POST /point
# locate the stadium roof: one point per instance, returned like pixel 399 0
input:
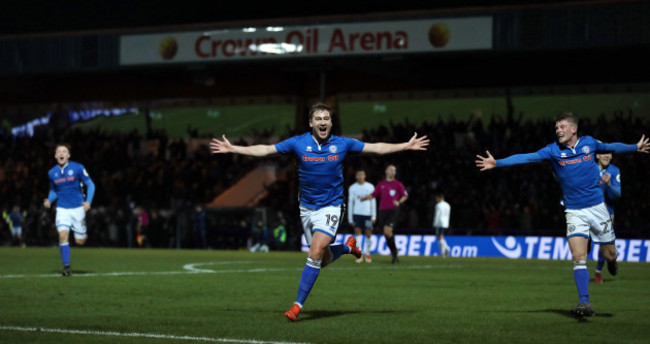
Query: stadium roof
pixel 42 16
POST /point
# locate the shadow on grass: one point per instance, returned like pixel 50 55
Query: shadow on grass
pixel 567 313
pixel 74 272
pixel 563 312
pixel 315 315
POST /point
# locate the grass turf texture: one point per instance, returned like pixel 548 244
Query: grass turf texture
pixel 242 120
pixel 234 121
pixel 357 116
pixel 244 296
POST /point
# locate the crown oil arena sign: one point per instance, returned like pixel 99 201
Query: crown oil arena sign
pixel 251 43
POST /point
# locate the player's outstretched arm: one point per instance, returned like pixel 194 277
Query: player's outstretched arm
pixel 415 143
pixel 643 145
pixel 224 146
pixel 485 163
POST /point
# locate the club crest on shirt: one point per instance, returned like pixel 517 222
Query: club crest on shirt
pixel 333 149
pixel 308 149
pixel 392 193
pixel 586 149
pixel 563 155
pixel 70 172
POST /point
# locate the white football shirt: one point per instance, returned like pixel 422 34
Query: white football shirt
pixel 443 212
pixel 357 207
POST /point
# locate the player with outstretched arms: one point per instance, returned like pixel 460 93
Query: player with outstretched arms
pixel 66 188
pixel 320 157
pixel 573 160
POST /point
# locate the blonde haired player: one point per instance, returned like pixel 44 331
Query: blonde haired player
pixel 67 179
pixel 574 162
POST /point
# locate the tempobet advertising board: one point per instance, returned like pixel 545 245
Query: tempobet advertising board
pixel 513 247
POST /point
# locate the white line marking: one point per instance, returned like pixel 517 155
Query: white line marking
pixel 142 335
pixel 193 267
pixel 252 270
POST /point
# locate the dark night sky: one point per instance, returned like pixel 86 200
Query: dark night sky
pixel 33 16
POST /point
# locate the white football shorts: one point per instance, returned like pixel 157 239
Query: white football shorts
pixel 17 231
pixel 73 219
pixel 594 220
pixel 324 220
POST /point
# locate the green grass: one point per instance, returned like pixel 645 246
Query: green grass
pixel 357 116
pixel 421 300
pixel 242 120
pixel 122 124
pixel 234 121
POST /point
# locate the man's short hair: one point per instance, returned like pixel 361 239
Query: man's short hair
pixel 63 144
pixel 318 107
pixel 569 117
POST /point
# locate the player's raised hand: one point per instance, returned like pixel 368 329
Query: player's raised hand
pixel 643 145
pixel 486 163
pixel 605 179
pixel 417 143
pixel 221 146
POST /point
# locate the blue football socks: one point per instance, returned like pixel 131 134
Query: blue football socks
pixel 581 276
pixel 339 250
pixel 601 261
pixel 65 253
pixel 307 280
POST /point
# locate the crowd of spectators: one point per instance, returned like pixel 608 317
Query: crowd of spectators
pixel 516 201
pixel 153 172
pixel 524 200
pixel 168 180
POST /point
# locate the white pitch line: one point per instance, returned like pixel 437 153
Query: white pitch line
pixel 252 270
pixel 193 267
pixel 141 335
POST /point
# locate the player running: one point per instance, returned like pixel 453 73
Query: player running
pixel 610 182
pixel 573 161
pixel 320 158
pixel 66 188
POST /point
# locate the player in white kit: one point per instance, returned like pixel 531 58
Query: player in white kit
pixel 362 214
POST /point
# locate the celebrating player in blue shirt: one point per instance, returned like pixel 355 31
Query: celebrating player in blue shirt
pixel 66 188
pixel 320 158
pixel 610 183
pixel 573 161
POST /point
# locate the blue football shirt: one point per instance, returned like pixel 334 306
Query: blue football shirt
pixel 65 185
pixel 320 168
pixel 612 191
pixel 576 168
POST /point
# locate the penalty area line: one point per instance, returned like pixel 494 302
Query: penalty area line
pixel 140 335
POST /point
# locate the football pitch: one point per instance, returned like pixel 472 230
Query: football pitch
pixel 193 296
